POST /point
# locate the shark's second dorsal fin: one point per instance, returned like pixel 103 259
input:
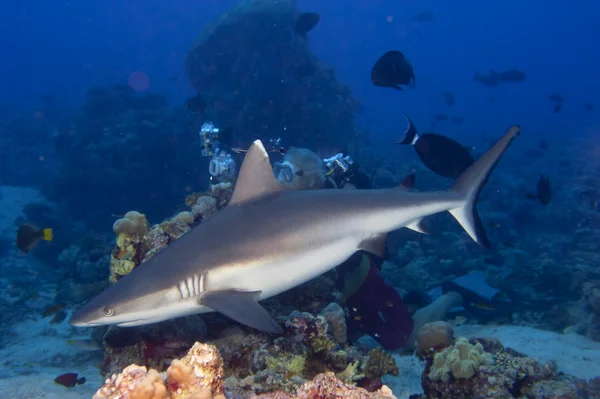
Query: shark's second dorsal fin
pixel 256 178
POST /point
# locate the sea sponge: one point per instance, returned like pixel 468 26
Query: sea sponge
pixel 435 311
pixel 460 361
pixel 204 208
pixel 380 363
pixel 200 371
pixel 132 223
pixel 185 217
pixel 434 336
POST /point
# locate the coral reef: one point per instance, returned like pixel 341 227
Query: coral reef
pixel 273 88
pixel 483 368
pixel 199 375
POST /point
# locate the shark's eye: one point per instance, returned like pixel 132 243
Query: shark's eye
pixel 108 311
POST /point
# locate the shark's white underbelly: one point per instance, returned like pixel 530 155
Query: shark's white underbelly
pixel 282 273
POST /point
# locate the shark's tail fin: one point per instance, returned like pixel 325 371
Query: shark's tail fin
pixel 471 182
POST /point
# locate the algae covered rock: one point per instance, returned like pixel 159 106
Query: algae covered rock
pixel 257 74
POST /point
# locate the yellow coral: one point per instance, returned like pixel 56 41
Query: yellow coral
pixel 286 364
pixel 350 373
pixel 461 361
pixel 124 257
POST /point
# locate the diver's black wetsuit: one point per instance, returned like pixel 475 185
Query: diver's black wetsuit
pixel 376 308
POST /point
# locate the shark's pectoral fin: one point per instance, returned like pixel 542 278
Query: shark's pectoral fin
pixel 256 178
pixel 374 245
pixel 242 307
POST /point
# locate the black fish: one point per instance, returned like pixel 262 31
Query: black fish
pixel 491 80
pixel 306 22
pixel 449 96
pixel 195 104
pixel 391 70
pixel 458 119
pixel 557 98
pixel 557 108
pixel 441 117
pixel 512 75
pixel 69 380
pixel 589 106
pixel 440 154
pixel 543 144
pixel 29 235
pixel 424 16
pixel 544 193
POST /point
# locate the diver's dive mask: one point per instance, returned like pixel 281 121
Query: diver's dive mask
pixel 284 172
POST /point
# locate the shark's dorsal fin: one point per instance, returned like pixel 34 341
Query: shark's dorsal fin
pixel 256 178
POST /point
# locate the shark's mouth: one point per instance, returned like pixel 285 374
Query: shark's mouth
pixel 132 323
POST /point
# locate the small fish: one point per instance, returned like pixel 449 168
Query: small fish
pixel 557 108
pixel 51 310
pixel 557 98
pixel 458 119
pixel 589 106
pixel 440 154
pixel 544 193
pixel 29 235
pixel 491 80
pixel 512 75
pixel 121 254
pixel 117 215
pixel 84 344
pixel 543 144
pixel 441 117
pixel 449 96
pixel 306 22
pixel 424 16
pixel 389 304
pixel 195 104
pixel 69 380
pixel 483 306
pixel 59 317
pixel 392 70
pixel 357 317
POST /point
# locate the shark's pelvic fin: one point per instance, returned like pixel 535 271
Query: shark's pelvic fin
pixel 470 184
pixel 374 245
pixel 242 307
pixel 419 227
pixel 256 178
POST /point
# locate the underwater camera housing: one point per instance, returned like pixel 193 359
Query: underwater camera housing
pixel 209 134
pixel 222 167
pixel 339 164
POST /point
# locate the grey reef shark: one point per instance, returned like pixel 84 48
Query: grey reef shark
pixel 270 239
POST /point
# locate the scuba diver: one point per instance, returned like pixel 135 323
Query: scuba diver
pixel 375 307
pixel 222 166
